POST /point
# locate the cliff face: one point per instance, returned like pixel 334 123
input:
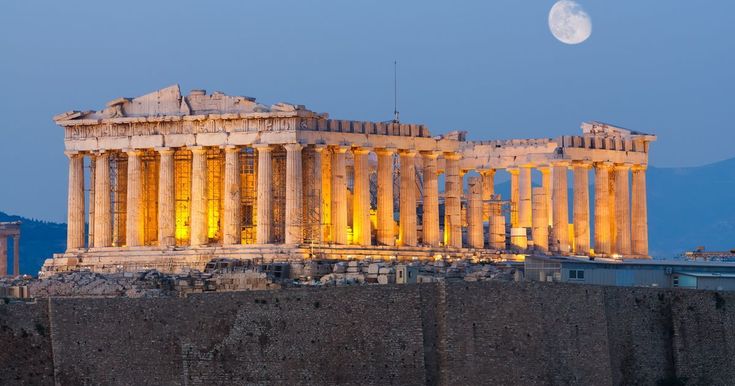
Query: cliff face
pixel 461 333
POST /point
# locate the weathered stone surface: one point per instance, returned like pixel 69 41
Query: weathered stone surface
pixel 453 333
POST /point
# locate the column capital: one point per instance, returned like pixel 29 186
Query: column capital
pixel 486 172
pixel 262 147
pixel 385 151
pixel 513 170
pixel 133 152
pixel 294 146
pixel 560 163
pixel 603 164
pixel 339 149
pixel 582 164
pixel 231 149
pixel 320 147
pixel 73 153
pixel 623 166
pixel 198 149
pixel 407 153
pixel 454 156
pixel 360 150
pixel 544 169
pixel 639 167
pixel 164 150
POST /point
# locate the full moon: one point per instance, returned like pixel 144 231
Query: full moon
pixel 569 23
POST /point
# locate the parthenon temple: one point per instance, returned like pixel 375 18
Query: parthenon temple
pixel 171 181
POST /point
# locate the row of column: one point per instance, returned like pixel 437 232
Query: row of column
pixel 621 223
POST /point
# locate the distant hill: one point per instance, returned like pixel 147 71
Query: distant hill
pixel 38 241
pixel 687 207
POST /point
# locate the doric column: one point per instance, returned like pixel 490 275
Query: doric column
pixel 339 196
pixel 602 208
pixel 622 210
pixel 475 237
pixel 325 155
pixel 198 219
pixel 3 256
pixel 166 196
pixel 407 230
pixel 75 206
pixel 232 201
pixel 540 226
pixel 134 220
pixel 488 189
pixel 611 187
pixel 430 222
pixel 561 207
pixel 514 197
pixel 16 255
pixel 524 197
pixel 386 234
pixel 452 203
pixel 294 194
pixel 102 215
pixel 312 201
pixel 546 184
pixel 265 196
pixel 361 199
pixel 90 209
pixel 581 208
pixel 639 212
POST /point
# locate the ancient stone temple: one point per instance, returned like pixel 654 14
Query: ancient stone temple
pixel 176 180
pixel 9 230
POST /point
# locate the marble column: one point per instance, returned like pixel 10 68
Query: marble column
pixel 326 194
pixel 75 206
pixel 622 210
pixel 430 222
pixel 134 221
pixel 524 197
pixel 339 196
pixel 102 209
pixel 294 194
pixel 3 256
pixel 265 196
pixel 407 230
pixel 452 203
pixel 546 184
pixel 514 197
pixel 475 237
pixel 602 208
pixel 559 199
pixel 16 255
pixel 386 231
pixel 232 205
pixel 313 195
pixel 639 212
pixel 90 209
pixel 166 199
pixel 540 222
pixel 611 187
pixel 488 190
pixel 199 212
pixel 581 214
pixel 361 199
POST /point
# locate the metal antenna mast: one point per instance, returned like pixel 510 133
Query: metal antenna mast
pixel 395 92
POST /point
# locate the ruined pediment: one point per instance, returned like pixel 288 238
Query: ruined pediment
pixel 169 102
pixel 607 130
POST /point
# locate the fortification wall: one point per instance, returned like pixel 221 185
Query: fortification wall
pixel 461 333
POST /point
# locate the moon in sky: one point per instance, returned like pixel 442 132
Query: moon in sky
pixel 569 23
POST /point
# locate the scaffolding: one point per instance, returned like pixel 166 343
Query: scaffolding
pixel 150 163
pixel 182 194
pixel 119 196
pixel 215 186
pixel 248 195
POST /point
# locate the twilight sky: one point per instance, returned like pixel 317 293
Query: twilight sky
pixel 489 67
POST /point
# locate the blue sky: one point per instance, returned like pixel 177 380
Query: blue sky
pixel 489 67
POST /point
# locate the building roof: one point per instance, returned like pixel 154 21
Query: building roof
pixel 636 262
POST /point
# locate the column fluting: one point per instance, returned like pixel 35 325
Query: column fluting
pixel 75 206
